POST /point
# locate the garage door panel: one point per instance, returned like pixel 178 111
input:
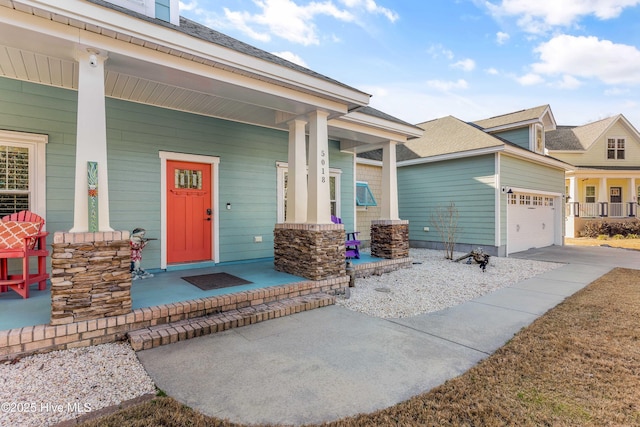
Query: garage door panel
pixel 530 222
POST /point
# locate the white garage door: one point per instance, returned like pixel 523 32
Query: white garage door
pixel 530 221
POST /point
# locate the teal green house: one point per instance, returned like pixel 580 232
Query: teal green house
pixel 203 141
pixel 507 192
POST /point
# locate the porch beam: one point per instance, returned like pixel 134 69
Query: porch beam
pixel 319 207
pixel 297 173
pixel 91 139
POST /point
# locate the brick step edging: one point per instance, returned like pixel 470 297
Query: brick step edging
pixel 168 333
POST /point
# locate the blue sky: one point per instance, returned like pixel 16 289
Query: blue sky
pixel 472 59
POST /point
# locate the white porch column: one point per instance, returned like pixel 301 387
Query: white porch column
pixel 297 181
pixel 91 139
pixel 632 190
pixel 604 194
pixel 389 203
pixel 319 208
pixel 573 193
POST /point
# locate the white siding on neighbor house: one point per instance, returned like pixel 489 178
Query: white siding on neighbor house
pixel 469 183
pixel 596 155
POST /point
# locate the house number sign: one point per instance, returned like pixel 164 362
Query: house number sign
pixel 323 162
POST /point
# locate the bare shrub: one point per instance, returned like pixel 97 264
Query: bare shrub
pixel 445 219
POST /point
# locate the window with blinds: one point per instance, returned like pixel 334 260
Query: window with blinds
pixel 14 179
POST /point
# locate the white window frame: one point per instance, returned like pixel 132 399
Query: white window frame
pixel 616 149
pixel 595 194
pixel 538 139
pixel 36 144
pixel 282 168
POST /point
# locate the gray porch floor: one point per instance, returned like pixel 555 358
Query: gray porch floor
pixel 164 288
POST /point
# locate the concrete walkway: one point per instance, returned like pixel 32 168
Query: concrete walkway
pixel 330 363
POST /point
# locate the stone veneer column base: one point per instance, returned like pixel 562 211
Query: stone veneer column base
pixel 90 276
pixel 390 239
pixel 312 251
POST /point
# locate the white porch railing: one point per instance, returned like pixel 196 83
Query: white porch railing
pixel 617 210
pixel 602 209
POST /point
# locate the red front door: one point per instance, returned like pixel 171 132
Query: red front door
pixel 189 211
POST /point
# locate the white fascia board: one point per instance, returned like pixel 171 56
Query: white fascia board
pixel 452 156
pixel 516 125
pixel 409 130
pixel 370 128
pixel 369 162
pixel 128 25
pixel 537 158
pixel 529 190
pixel 567 151
pixel 37 24
pixel 605 173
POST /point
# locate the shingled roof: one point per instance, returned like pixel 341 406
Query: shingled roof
pixel 512 118
pixel 441 136
pixel 577 138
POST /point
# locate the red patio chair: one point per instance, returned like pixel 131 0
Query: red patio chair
pixel 21 236
pixel 352 244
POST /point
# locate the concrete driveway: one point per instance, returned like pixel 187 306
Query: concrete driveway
pixel 329 363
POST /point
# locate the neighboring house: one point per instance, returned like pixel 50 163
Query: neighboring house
pixel 507 192
pixel 195 134
pixel 605 180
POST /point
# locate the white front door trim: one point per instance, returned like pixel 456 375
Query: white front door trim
pixel 196 158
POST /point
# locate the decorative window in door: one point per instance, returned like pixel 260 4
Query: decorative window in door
pixel 188 179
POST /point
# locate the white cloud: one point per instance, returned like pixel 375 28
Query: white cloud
pixel 530 79
pixel 492 71
pixel 372 7
pixel 446 86
pixel 437 50
pixel 568 82
pixel 291 57
pixel 589 57
pixel 616 91
pixel 546 14
pixel 294 22
pixel 465 64
pixel 502 38
pixel 192 5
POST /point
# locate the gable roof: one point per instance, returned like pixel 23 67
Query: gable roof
pixel 580 138
pixel 518 118
pixel 449 137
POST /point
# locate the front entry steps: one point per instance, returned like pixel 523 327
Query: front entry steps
pixel 155 336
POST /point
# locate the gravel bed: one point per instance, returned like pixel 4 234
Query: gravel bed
pixel 434 283
pixel 45 389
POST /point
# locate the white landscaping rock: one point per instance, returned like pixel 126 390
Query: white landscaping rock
pixel 45 389
pixel 434 283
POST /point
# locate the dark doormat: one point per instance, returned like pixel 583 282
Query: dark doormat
pixel 215 281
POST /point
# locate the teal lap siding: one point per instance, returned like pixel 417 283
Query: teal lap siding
pixel 469 183
pixel 135 135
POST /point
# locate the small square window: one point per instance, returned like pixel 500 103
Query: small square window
pixel 364 196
